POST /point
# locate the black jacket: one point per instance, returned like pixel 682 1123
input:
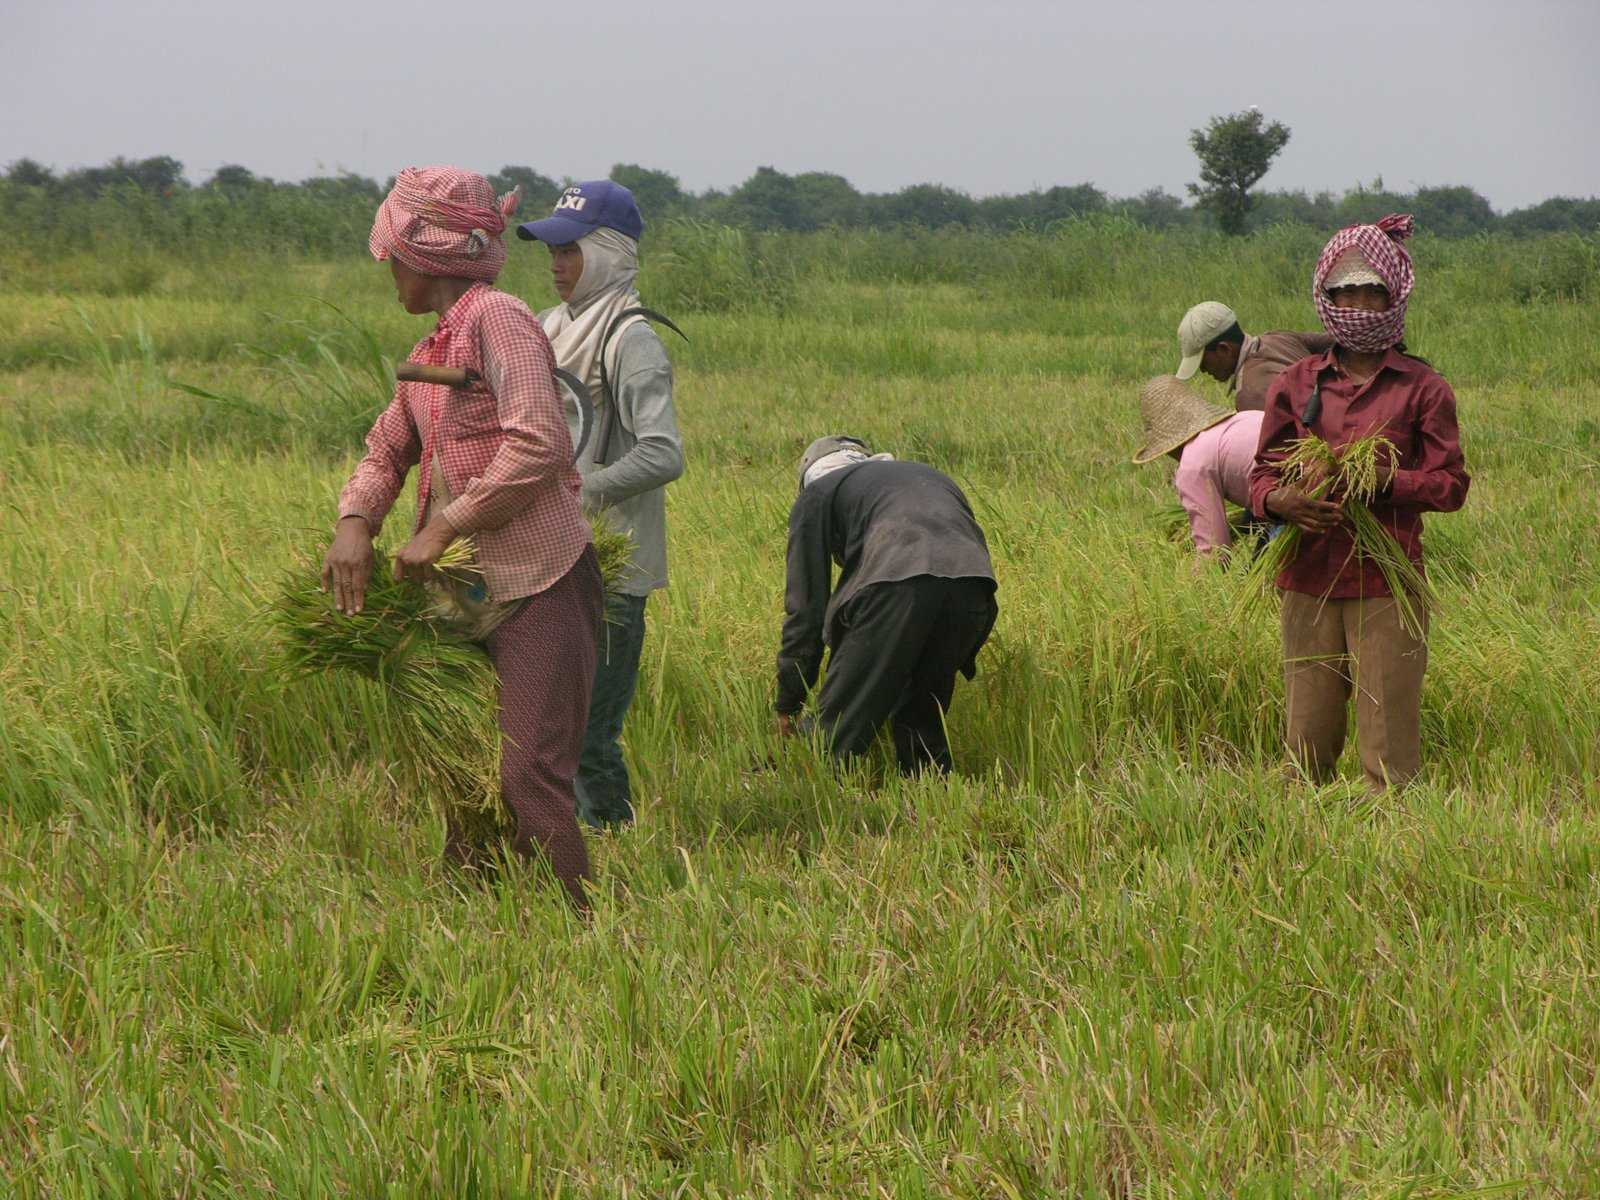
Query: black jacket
pixel 880 522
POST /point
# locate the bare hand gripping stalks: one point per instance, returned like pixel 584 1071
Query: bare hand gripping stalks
pixel 439 687
pixel 1352 478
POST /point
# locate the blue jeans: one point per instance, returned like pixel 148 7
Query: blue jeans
pixel 604 799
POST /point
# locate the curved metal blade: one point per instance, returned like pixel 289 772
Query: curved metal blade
pixel 580 393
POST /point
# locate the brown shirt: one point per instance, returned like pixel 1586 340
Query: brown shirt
pixel 1263 358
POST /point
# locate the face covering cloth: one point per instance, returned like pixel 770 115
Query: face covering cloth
pixel 605 289
pixel 1379 245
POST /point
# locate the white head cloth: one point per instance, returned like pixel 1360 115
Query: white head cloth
pixel 838 460
pixel 605 288
pixel 1351 269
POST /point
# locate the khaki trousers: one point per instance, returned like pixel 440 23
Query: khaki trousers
pixel 1332 648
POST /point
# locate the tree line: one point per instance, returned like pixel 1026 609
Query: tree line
pixel 34 198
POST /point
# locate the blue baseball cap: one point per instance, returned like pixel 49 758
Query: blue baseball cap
pixel 582 209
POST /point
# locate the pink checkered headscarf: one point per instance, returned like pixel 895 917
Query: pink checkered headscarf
pixel 1368 332
pixel 443 221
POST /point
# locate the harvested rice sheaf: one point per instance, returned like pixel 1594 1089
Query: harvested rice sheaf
pixel 614 551
pixel 1352 476
pixel 439 682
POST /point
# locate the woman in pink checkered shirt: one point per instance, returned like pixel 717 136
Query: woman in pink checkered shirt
pixel 496 463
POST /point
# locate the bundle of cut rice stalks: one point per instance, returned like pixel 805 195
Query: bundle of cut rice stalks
pixel 411 640
pixel 1352 476
pixel 1173 525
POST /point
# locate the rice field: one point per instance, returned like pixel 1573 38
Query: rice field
pixel 1116 956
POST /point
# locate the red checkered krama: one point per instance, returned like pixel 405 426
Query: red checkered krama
pixel 443 221
pixel 502 442
pixel 1358 329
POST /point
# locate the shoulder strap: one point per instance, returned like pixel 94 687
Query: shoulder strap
pixel 609 419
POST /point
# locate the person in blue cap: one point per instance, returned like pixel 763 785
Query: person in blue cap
pixel 601 333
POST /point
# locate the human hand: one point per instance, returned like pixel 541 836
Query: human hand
pixel 786 725
pixel 1296 507
pixel 1314 478
pixel 347 567
pixel 416 560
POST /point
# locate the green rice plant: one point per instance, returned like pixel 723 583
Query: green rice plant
pixel 613 550
pixel 399 638
pixel 1113 955
pixel 416 643
pixel 700 267
pixel 439 684
pixel 327 385
pixel 1353 475
pixel 1172 520
pixel 1172 523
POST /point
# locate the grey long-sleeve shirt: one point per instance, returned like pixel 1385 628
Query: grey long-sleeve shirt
pixel 880 522
pixel 645 455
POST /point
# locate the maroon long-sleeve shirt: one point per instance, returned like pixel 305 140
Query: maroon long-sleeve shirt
pixel 1407 402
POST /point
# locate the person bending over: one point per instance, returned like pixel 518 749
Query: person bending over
pixel 1215 450
pixel 913 604
pixel 1210 340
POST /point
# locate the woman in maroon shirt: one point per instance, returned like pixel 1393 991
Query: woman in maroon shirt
pixel 1342 631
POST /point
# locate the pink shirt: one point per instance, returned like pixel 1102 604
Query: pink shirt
pixel 502 444
pixel 1215 467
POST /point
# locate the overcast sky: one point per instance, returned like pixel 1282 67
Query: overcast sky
pixel 991 97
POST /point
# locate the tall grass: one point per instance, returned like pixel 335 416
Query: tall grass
pixel 1117 955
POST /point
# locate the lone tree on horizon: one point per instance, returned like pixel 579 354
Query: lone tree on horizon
pixel 1235 151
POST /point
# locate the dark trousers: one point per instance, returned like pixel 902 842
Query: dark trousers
pixel 897 652
pixel 604 797
pixel 544 655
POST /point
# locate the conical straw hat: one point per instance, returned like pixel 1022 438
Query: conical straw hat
pixel 1172 413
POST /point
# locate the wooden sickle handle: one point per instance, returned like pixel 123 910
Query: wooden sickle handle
pixel 410 372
